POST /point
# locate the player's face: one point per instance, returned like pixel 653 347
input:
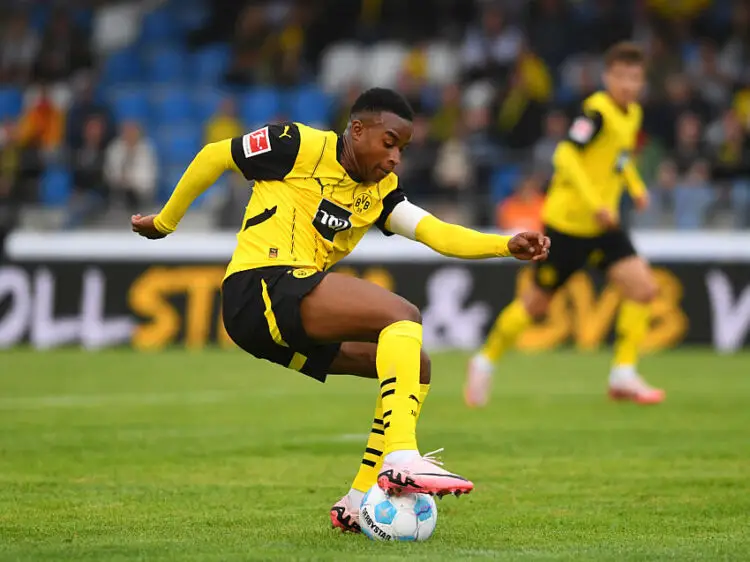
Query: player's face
pixel 624 82
pixel 379 141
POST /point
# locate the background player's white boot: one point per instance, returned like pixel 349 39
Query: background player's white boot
pixel 626 384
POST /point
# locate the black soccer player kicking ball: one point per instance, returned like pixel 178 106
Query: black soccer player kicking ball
pixel 316 194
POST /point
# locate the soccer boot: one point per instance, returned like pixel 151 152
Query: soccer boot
pixel 344 516
pixel 636 390
pixel 478 382
pixel 422 475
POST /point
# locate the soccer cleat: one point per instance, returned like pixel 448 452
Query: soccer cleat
pixel 478 382
pixel 636 390
pixel 345 517
pixel 422 475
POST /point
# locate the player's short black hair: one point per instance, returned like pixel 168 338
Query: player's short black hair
pixel 377 100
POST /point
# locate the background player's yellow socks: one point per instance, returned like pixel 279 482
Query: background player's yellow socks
pixel 372 460
pixel 510 324
pixel 398 358
pixel 632 327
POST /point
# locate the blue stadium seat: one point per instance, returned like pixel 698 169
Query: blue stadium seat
pixel 208 65
pixel 11 102
pixel 503 182
pixel 206 101
pixel 178 145
pixel 122 67
pixel 166 65
pixel 310 105
pixel 55 186
pixel 259 106
pixel 171 105
pixel 158 27
pixel 130 103
pixel 189 14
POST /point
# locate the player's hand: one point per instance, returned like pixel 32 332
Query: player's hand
pixel 606 219
pixel 642 203
pixel 145 227
pixel 529 246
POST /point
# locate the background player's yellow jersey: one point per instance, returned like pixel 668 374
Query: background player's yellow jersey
pixel 604 136
pixel 305 209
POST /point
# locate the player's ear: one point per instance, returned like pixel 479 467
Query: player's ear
pixel 356 128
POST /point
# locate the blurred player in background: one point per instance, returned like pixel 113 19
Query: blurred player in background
pixel 580 215
pixel 316 194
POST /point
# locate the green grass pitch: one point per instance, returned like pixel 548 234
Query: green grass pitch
pixel 216 456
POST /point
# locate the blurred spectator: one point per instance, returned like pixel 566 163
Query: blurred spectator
pixel 250 49
pixel 664 60
pixel 580 76
pixel 85 106
pixel 522 211
pixel 286 47
pixel 224 123
pixel 693 194
pixel 18 49
pixel 551 31
pixel 64 50
pixel 708 78
pixel 89 195
pixel 731 166
pixel 735 55
pixel 415 169
pixel 444 122
pixel 555 129
pixel 40 134
pixel 491 48
pixel 660 117
pixel 10 161
pixel 454 169
pixel 130 169
pixel 520 107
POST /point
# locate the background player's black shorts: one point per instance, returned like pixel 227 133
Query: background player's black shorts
pixel 261 314
pixel 569 254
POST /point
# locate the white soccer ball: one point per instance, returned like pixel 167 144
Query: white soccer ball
pixel 409 517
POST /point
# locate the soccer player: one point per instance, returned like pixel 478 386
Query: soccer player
pixel 316 194
pixel 581 219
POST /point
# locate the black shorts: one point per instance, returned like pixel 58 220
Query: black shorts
pixel 569 254
pixel 261 311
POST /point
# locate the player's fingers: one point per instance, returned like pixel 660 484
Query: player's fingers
pixel 547 243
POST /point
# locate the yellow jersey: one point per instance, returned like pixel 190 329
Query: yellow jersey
pixel 305 209
pixel 604 137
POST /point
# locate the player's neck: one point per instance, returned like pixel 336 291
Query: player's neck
pixel 621 106
pixel 348 159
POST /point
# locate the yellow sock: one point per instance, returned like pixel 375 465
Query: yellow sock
pixel 397 362
pixel 510 324
pixel 632 327
pixel 372 460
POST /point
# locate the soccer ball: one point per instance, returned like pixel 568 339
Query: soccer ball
pixel 409 517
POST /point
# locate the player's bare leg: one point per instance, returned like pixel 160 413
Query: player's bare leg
pixel 633 277
pixel 359 359
pixel 344 308
pixel 510 324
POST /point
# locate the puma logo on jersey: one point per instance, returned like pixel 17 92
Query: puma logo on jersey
pixel 331 219
pixel 285 133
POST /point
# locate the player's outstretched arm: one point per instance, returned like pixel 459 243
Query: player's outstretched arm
pixel 635 185
pixel 456 241
pixel 212 161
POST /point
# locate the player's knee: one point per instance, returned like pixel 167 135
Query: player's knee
pixel 425 368
pixel 536 304
pixel 646 292
pixel 405 312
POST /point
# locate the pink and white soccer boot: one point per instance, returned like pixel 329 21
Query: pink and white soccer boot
pixel 478 382
pixel 635 389
pixel 345 516
pixel 422 475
